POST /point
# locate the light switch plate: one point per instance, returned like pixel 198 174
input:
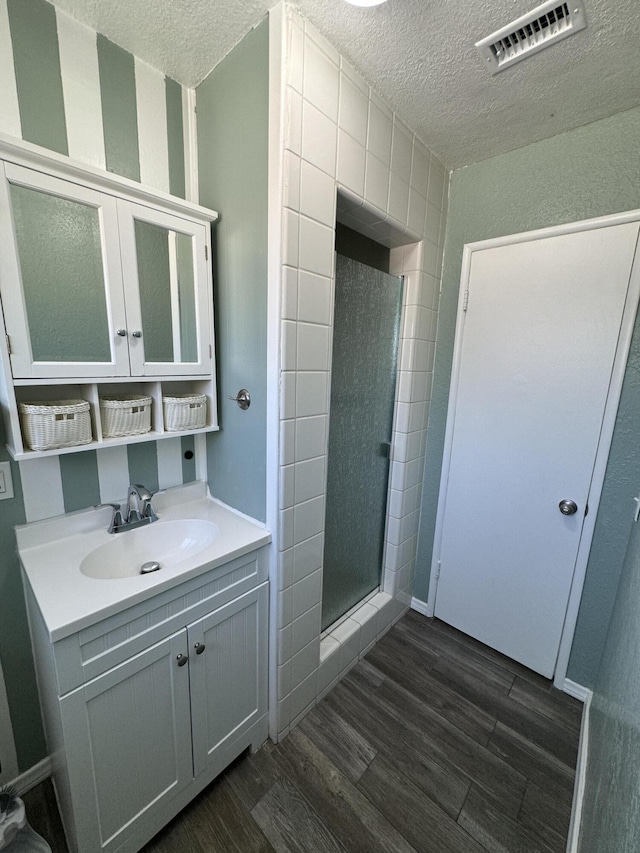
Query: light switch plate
pixel 6 482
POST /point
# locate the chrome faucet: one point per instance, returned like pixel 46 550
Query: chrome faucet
pixel 136 511
pixel 139 507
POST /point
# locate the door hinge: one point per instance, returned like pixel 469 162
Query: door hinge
pixel 8 344
pixel 206 252
pixel 210 351
pixel 465 304
pixel 438 567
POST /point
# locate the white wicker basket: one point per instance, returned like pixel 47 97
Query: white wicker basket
pixel 125 414
pixel 59 423
pixel 184 411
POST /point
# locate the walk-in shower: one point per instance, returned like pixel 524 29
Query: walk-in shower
pixel 366 330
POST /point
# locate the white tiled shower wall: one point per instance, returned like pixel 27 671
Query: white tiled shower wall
pixel 341 138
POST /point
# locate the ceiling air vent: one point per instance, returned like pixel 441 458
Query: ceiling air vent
pixel 542 27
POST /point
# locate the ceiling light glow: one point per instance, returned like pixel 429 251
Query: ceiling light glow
pixel 366 2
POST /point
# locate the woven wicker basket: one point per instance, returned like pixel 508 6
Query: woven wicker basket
pixel 125 414
pixel 184 411
pixel 59 423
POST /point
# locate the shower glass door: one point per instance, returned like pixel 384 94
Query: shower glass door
pixel 366 330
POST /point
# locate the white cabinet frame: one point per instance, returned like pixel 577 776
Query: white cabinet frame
pixel 105 191
pixel 23 363
pixel 128 213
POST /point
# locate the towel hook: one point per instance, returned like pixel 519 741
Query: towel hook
pixel 242 398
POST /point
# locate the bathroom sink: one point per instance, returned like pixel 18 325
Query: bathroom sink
pixel 69 560
pixel 163 542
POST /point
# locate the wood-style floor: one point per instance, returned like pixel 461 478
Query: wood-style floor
pixel 432 743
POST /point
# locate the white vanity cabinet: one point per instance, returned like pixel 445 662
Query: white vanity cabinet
pixel 143 709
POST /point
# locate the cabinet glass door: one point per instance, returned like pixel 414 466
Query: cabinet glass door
pixel 60 279
pixel 165 273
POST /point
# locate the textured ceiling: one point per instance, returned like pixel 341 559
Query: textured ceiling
pixel 419 55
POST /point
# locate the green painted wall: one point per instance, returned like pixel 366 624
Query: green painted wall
pixel 232 106
pixel 15 643
pixel 119 109
pixel 588 172
pixel 175 138
pixel 36 59
pixel 611 809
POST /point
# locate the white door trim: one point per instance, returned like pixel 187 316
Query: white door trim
pixel 608 423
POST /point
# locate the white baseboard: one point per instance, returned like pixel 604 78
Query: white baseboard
pixel 581 768
pixel 420 606
pixel 33 776
pixel 576 690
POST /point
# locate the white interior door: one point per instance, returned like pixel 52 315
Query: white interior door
pixel 536 351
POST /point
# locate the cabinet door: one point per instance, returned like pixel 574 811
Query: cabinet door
pixel 167 292
pixel 128 742
pixel 228 678
pixel 60 277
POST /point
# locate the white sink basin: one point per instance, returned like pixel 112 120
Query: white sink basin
pixel 165 542
pixel 69 560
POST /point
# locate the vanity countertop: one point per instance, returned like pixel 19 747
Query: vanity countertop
pixel 51 552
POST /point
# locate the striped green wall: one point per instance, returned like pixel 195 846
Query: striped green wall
pixel 73 91
pixel 119 109
pixel 36 60
pixel 67 89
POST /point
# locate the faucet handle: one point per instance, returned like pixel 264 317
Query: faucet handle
pixel 116 518
pixel 149 511
pixel 115 507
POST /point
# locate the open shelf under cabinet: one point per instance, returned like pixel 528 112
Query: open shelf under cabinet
pixel 39 391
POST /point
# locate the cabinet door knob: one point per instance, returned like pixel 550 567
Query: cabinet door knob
pixel 137 333
pixel 199 647
pixel 121 332
pixel 182 659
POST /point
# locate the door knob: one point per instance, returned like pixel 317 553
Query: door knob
pixel 122 333
pixel 199 647
pixel 182 659
pixel 568 507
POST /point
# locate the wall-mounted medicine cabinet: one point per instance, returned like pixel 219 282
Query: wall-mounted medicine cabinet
pixel 102 280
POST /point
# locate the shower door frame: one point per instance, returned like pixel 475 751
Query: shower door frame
pixel 380 587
